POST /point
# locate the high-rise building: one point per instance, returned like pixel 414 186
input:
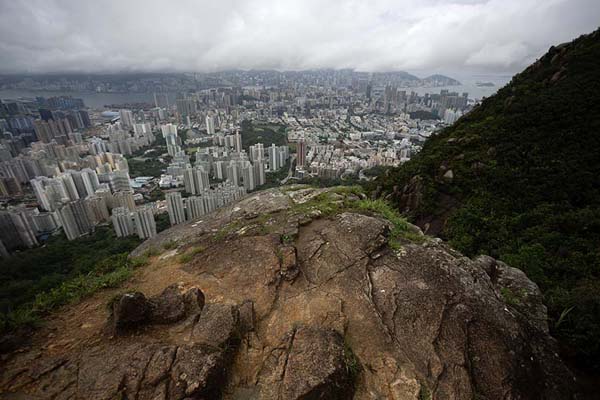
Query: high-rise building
pixel 50 192
pixel 144 221
pixel 119 181
pixel 90 180
pixel 168 129
pixel 301 150
pixel 233 174
pixel 44 222
pixel 175 208
pixel 123 223
pixel 69 184
pixel 74 219
pixel 195 180
pixel 248 176
pixel 97 209
pixel 260 177
pixel 238 142
pixel 123 199
pixel 186 107
pixel 257 152
pixel 10 186
pixel 278 156
pixel 194 207
pixel 85 118
pixel 210 124
pixel 126 117
pixel 16 232
pixel 219 170
pixel 43 131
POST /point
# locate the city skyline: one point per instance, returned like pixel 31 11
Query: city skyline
pixel 422 37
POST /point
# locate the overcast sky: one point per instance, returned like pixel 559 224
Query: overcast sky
pixel 496 36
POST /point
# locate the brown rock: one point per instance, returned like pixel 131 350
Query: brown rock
pixel 422 319
pixel 218 325
pixel 130 310
pixel 168 307
pixel 194 301
pixel 308 364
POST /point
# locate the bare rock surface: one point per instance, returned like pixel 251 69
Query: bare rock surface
pixel 297 294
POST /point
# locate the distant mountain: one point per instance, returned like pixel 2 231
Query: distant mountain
pixel 518 178
pixel 395 76
pixel 439 80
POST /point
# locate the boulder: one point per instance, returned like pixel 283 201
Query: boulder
pixel 130 310
pixel 168 307
pixel 194 301
pixel 218 326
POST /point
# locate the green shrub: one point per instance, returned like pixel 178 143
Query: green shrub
pixel 170 245
pixel 137 262
pixel 151 252
pixel 399 225
pixel 190 253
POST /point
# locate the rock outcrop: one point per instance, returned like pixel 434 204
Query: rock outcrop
pixel 306 298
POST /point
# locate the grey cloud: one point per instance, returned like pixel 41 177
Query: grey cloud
pixel 208 35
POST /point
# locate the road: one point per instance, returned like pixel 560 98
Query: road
pixel 290 171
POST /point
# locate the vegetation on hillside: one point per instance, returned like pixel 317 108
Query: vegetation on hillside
pixel 253 133
pixel 36 281
pixel 422 114
pixel 525 186
pixel 145 167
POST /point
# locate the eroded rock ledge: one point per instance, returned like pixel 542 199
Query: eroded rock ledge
pixel 301 294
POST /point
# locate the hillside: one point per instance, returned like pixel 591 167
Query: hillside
pixel 298 293
pixel 518 178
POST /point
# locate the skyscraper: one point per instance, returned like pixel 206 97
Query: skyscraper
pixel 210 124
pixel 75 220
pixel 126 117
pixel 122 221
pixel 97 209
pixel 260 177
pixel 124 199
pixel 248 176
pixel 194 207
pixel 168 129
pixel 195 180
pixel 119 181
pixel 238 141
pixel 257 152
pixel 144 221
pixel 274 159
pixel 15 230
pixel 301 150
pixel 175 208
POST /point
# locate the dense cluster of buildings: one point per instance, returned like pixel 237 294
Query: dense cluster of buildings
pixel 64 166
pixel 67 178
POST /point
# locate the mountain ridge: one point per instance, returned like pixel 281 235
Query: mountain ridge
pixel 517 178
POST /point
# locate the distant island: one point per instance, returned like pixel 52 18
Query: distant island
pixel 485 84
pixel 439 80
